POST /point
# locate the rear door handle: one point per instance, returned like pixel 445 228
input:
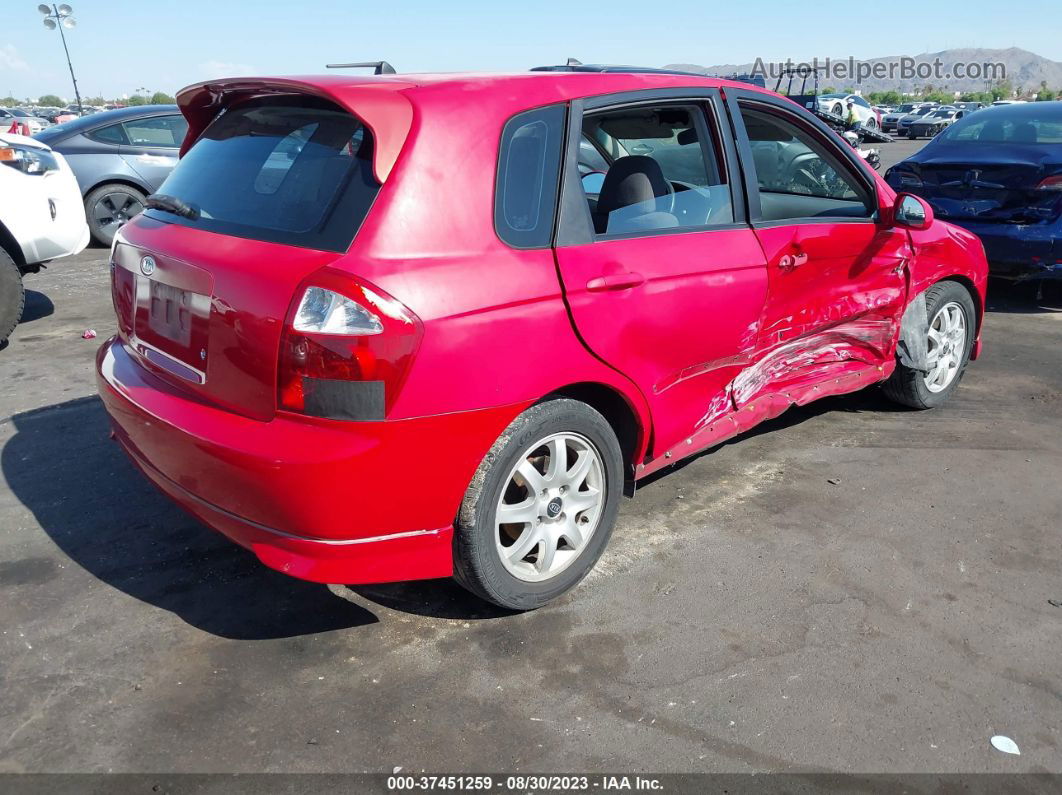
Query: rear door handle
pixel 615 281
pixel 790 261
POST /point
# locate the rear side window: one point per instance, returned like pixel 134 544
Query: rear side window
pixel 160 131
pixel 528 177
pixel 293 170
pixel 112 134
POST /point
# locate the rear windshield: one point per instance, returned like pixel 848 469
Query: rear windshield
pixel 1011 124
pixel 291 170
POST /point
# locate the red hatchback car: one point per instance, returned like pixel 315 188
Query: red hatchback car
pixel 410 326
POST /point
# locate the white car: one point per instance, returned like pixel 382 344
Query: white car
pixel 837 104
pixel 42 218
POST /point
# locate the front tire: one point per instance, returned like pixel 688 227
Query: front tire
pixel 541 506
pixel 12 296
pixel 952 320
pixel 108 207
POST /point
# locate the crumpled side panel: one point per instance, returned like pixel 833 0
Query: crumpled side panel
pixel 912 349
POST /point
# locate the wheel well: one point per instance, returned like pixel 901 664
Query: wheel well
pixel 614 408
pixel 117 181
pixel 11 246
pixel 974 295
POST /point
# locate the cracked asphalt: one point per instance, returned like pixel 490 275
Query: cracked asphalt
pixel 749 615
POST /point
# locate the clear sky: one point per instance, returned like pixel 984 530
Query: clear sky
pixel 120 46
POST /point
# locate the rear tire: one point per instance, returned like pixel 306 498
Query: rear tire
pixel 12 296
pixel 908 386
pixel 108 207
pixel 563 509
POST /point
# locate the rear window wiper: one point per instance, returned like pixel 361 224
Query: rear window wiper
pixel 171 204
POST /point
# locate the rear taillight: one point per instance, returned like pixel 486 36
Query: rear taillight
pixel 1051 183
pixel 345 350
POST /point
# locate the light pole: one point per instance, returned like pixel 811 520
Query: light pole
pixel 59 17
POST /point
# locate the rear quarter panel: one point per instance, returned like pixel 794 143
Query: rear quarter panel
pixel 496 327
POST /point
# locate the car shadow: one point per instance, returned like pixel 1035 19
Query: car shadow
pixel 106 517
pixel 38 305
pixel 1024 298
pixel 431 599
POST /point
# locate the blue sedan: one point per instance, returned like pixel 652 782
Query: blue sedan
pixel 998 173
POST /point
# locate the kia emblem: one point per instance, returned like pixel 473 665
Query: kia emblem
pixel 147 266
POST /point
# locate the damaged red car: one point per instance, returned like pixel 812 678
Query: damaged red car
pixel 377 328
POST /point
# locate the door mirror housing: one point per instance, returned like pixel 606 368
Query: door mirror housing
pixel 912 211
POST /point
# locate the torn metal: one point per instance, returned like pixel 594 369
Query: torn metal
pixel 913 347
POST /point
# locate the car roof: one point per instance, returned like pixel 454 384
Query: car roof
pixel 386 103
pixel 102 119
pixel 562 84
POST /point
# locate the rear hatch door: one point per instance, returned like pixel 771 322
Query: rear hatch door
pixel 273 190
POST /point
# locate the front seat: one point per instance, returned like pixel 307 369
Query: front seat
pixel 628 198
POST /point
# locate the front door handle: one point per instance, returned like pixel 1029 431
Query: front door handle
pixel 790 261
pixel 615 281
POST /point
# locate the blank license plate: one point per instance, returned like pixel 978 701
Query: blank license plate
pixel 170 313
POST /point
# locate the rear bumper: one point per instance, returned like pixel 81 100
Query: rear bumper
pixel 1020 252
pixel 335 502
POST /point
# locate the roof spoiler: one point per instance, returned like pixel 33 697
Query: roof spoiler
pixel 378 67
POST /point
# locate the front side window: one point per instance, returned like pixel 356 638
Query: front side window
pixel 663 171
pixel 797 174
pixel 294 170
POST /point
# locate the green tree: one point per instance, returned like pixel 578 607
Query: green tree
pixel 829 90
pixel 885 98
pixel 938 96
pixel 93 101
pixel 161 98
pixel 1002 90
pixel 8 102
pixel 50 100
pixel 136 99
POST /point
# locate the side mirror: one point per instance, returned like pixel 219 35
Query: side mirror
pixel 912 211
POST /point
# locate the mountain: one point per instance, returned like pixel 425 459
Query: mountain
pixel 1024 69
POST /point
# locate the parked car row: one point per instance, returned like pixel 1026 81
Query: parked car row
pixel 998 173
pixel 20 117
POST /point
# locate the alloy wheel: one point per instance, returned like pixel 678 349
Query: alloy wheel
pixel 550 507
pixel 114 209
pixel 947 346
